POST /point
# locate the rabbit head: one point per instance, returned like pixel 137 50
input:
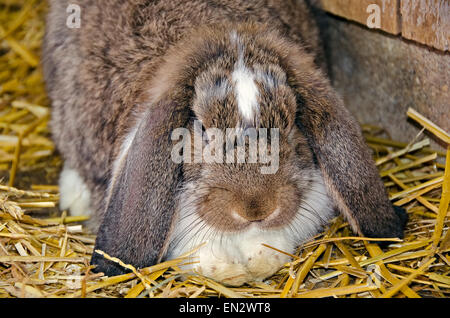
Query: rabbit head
pixel 175 185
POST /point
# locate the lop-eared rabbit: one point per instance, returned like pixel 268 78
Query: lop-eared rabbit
pixel 135 71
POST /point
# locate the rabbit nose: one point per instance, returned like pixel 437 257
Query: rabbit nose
pixel 256 210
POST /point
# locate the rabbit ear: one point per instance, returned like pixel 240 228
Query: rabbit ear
pixel 350 174
pixel 141 204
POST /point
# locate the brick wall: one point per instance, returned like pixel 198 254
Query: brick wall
pixel 423 21
pixel 381 73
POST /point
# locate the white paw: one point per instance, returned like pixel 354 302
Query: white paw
pixel 74 194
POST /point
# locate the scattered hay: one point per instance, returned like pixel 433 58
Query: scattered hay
pixel 44 253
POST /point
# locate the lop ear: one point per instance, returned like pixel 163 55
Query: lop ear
pixel 141 203
pixel 350 174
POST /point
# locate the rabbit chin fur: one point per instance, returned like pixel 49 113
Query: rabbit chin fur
pixel 234 258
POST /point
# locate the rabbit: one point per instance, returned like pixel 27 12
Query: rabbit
pixel 136 71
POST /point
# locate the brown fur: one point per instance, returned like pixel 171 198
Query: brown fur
pixel 110 60
pixel 148 62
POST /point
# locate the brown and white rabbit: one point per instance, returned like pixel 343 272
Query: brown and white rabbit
pixel 137 70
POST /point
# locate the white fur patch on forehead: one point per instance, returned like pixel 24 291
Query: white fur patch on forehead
pixel 245 88
pixel 246 91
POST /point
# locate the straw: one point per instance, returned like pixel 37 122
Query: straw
pixel 45 252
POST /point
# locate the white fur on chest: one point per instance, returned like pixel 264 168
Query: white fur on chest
pixel 236 258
